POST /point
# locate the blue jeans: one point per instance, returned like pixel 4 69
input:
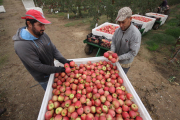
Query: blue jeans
pixel 44 85
pixel 125 70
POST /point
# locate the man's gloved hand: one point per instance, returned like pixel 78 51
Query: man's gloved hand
pixel 62 69
pixel 68 61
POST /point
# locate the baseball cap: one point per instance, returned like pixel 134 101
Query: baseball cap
pixel 123 13
pixel 37 15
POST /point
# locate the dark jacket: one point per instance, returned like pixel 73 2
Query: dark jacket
pixel 163 4
pixel 37 54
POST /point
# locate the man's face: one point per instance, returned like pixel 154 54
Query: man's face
pixel 38 29
pixel 125 24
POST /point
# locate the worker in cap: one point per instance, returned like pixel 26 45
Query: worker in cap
pixel 126 40
pixel 35 49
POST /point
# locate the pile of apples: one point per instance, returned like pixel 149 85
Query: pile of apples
pixel 112 58
pixel 93 40
pixel 140 18
pixel 157 14
pixel 91 91
pixel 105 43
pixel 110 29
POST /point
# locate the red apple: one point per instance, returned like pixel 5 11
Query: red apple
pixel 58 110
pixel 50 106
pixel 134 107
pixel 138 118
pixel 48 115
pixel 74 115
pixel 129 96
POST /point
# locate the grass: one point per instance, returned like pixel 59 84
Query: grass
pixel 78 22
pixel 174 31
pixel 159 39
pixel 172 22
pixel 1 2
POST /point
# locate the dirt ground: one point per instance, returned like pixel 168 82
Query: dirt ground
pixel 23 101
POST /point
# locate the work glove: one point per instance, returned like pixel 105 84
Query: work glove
pixel 68 61
pixel 62 69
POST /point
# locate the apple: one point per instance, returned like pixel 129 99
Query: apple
pixel 132 114
pixel 128 102
pixel 118 110
pixel 74 115
pixel 54 85
pixel 134 107
pixel 50 106
pixel 113 60
pixel 103 99
pixel 83 117
pixel 138 118
pixel 66 65
pixel 68 92
pixel 89 102
pixel 78 95
pixel 109 117
pixel 67 103
pixel 56 104
pixel 125 115
pixel 71 108
pixel 71 96
pixel 98 110
pixel 112 89
pixel 104 109
pixel 125 108
pixel 77 104
pixel 58 110
pixel 54 98
pixel 115 103
pixel 50 101
pixel 64 112
pixel 60 98
pixel 114 55
pixel 80 111
pixel 48 115
pixel 129 96
pixel 87 109
pixel 72 64
pixel 83 100
pixel 93 109
pixel 112 112
pixel 58 117
pixel 89 116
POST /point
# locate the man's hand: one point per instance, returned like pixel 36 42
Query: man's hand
pixel 110 52
pixel 62 69
pixel 117 59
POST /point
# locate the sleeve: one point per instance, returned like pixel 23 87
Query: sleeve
pixel 57 55
pixel 134 48
pixel 113 44
pixel 30 58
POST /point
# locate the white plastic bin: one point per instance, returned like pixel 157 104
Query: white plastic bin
pixel 35 8
pixel 146 25
pixel 98 33
pixel 28 3
pixel 48 94
pixel 163 17
pixel 2 9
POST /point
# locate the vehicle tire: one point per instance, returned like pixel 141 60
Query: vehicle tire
pixel 88 49
pixel 166 12
pixel 156 26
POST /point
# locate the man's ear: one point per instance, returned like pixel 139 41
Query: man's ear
pixel 29 24
pixel 130 18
